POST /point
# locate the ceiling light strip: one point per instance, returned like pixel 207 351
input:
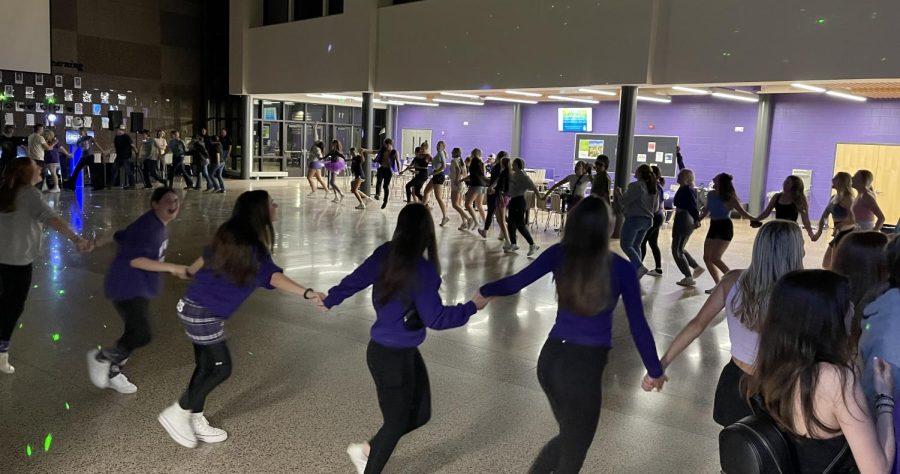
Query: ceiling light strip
pixel 598 92
pixel 524 93
pixel 691 90
pixel 573 99
pixel 425 104
pixel 659 100
pixel 457 94
pixel 402 96
pixel 515 101
pixel 844 95
pixel 740 98
pixel 808 87
pixel 456 101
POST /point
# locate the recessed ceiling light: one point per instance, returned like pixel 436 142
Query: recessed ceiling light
pixel 457 94
pixel 573 99
pixel 524 93
pixel 456 101
pixel 597 91
pixel 403 96
pixel 507 99
pixel 691 90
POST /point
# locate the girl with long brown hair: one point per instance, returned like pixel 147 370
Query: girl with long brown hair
pixel 790 204
pixel 719 203
pixel 405 278
pixel 590 280
pixel 23 215
pixel 640 203
pixel 238 261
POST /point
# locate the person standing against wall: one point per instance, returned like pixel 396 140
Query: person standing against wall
pixel 176 146
pixel 125 151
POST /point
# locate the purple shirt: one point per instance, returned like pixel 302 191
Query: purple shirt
pixel 220 295
pixel 593 330
pixel 145 237
pixel 389 329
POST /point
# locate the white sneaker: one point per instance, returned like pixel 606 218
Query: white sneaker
pixel 697 272
pixel 177 423
pixel 506 246
pixel 4 364
pixel 444 221
pixel 204 432
pixel 641 271
pixel 361 206
pixel 686 281
pixel 121 384
pixel 55 190
pixel 532 249
pixel 655 273
pixel 358 457
pixel 335 200
pixel 512 248
pixel 97 370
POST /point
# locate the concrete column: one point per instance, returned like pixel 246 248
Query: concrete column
pixel 247 136
pixel 761 140
pixel 515 150
pixel 391 122
pixel 627 109
pixel 368 138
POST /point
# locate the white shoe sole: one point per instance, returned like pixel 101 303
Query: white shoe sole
pixel 211 439
pixel 175 435
pixel 356 457
pixel 99 380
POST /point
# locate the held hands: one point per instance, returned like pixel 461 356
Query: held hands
pixel 180 271
pixel 318 298
pixel 84 245
pixel 649 383
pixel 884 378
pixel 480 300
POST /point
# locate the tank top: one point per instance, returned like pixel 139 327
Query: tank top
pixel 816 455
pixel 744 341
pixel 439 161
pixel 717 208
pixel 839 212
pixel 865 217
pixel 788 212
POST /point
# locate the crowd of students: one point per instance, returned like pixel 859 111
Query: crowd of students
pixel 815 349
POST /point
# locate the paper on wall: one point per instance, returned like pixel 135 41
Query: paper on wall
pixel 8 119
pixel 88 121
pixel 68 121
pixel 668 158
pixel 659 157
pixel 105 122
pixel 642 158
pixel 29 120
pixel 651 147
pixel 79 109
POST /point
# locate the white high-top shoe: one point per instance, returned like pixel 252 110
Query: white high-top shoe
pixel 204 432
pixel 177 423
pixel 4 364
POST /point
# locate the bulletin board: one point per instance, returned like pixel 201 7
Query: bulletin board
pixel 650 149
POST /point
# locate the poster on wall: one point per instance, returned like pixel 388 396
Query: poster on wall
pixel 588 148
pixel 29 120
pixel 659 157
pixel 68 95
pixel 49 92
pixel 20 78
pixel 96 109
pixel 58 80
pixel 77 82
pixel 86 96
pixel 651 147
pixel 38 79
pixel 104 97
pixel 88 122
pixel 20 106
pixel 8 119
pixel 270 113
pixel 8 90
pixel 668 158
pixel 29 92
pixel 69 121
pixel 39 107
pixel 79 109
pixel 642 158
pixel 104 121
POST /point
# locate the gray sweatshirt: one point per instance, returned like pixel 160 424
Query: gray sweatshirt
pixel 20 237
pixel 519 182
pixel 880 333
pixel 638 202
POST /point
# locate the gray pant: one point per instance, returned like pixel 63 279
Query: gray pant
pixel 682 229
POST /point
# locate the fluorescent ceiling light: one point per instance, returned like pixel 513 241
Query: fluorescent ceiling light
pixel 807 87
pixel 723 95
pixel 455 101
pixel 691 90
pixel 573 99
pixel 661 100
pixel 526 94
pixel 842 95
pixel 402 96
pixel 506 99
pixel 426 104
pixel 457 94
pixel 597 91
pixel 335 97
pixel 388 102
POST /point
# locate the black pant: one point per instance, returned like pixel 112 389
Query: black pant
pixel 414 186
pixel 383 181
pixel 515 212
pixel 682 228
pixel 404 396
pixel 730 405
pixel 135 313
pixel 491 207
pixel 83 162
pixel 124 173
pixel 572 378
pixel 15 281
pixel 213 366
pixel 178 168
pixel 652 238
pixel 151 172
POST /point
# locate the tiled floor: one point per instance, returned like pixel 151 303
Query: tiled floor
pixel 300 391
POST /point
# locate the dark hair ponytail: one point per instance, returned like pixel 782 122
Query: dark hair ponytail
pixel 645 174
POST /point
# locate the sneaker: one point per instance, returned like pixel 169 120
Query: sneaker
pixel 54 190
pixel 358 457
pixel 204 432
pixel 709 291
pixel 311 194
pixel 512 248
pixel 463 226
pixel 506 246
pixel 98 370
pixel 686 281
pixel 697 272
pixel 335 200
pixel 641 271
pixel 221 191
pixel 444 221
pixel 532 249
pixel 361 206
pixel 377 197
pixel 177 422
pixel 4 364
pixel 655 272
pixel 384 204
pixel 121 384
pixel 482 233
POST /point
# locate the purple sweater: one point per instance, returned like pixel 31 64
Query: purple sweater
pixel 593 330
pixel 145 237
pixel 389 329
pixel 220 295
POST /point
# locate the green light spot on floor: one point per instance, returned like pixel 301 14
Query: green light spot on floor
pixel 28 450
pixel 62 292
pixel 67 405
pixel 48 441
pixel 35 286
pixel 820 21
pixel 55 337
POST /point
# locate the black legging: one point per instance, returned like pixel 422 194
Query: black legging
pixel 83 162
pixel 730 405
pixel 515 220
pixel 414 186
pixel 151 172
pixel 135 313
pixel 682 228
pixel 15 281
pixel 404 396
pixel 383 182
pixel 652 237
pixel 572 378
pixel 179 168
pixel 491 207
pixel 213 368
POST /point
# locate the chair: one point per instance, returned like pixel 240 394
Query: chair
pixel 555 208
pixel 531 208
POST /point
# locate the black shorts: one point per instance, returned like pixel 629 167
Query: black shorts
pixel 358 175
pixel 839 236
pixel 720 229
pixel 438 178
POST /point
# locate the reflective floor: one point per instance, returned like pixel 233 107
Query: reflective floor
pixel 301 391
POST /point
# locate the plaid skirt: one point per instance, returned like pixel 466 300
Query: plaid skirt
pixel 201 326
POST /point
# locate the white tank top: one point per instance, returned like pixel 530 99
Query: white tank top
pixel 744 341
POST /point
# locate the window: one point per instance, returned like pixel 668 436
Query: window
pixel 306 9
pixel 275 12
pixel 335 7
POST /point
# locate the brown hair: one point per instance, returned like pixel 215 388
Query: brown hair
pixel 18 174
pixel 645 174
pixel 797 193
pixel 582 277
pixel 413 237
pixel 860 256
pixel 241 241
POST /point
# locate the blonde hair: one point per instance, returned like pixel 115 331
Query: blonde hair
pixel 868 178
pixel 777 250
pixel 844 186
pixel 683 174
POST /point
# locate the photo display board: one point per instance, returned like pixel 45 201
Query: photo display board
pixel 648 149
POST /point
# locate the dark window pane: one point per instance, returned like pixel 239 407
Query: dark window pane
pixel 294 112
pixel 343 115
pixel 271 110
pixel 275 11
pixel 305 9
pixel 335 7
pixel 256 109
pixel 315 113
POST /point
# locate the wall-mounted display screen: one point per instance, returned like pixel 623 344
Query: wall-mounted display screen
pixel 590 148
pixel 577 120
pixel 270 113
